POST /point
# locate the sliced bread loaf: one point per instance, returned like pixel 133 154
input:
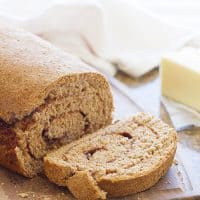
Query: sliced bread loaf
pixel 47 98
pixel 124 158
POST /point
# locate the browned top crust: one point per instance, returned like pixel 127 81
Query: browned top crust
pixel 29 69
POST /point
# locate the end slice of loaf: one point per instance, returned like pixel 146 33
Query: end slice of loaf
pixel 47 99
pixel 124 158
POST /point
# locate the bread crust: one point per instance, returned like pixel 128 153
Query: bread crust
pixel 130 185
pixel 10 160
pixel 57 172
pixel 9 157
pixel 29 68
pixel 90 189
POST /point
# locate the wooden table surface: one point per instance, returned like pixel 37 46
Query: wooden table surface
pixel 181 182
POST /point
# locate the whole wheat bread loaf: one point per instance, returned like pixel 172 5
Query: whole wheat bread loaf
pixel 124 158
pixel 47 98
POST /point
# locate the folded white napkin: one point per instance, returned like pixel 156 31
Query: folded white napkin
pixel 101 32
pixel 182 116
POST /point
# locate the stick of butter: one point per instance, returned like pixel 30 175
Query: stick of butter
pixel 180 76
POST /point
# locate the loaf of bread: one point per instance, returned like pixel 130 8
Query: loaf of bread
pixel 124 158
pixel 47 98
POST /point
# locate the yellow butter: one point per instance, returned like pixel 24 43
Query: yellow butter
pixel 180 77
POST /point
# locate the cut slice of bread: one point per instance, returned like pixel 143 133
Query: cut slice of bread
pixel 124 158
pixel 47 99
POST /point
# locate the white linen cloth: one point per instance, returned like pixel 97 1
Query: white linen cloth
pixel 101 32
pixel 107 32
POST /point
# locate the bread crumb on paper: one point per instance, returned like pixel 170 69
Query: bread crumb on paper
pixel 175 162
pixel 23 195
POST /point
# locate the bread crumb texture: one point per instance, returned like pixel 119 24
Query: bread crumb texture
pixel 124 158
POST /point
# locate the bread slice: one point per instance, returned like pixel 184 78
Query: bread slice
pixel 124 158
pixel 47 98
